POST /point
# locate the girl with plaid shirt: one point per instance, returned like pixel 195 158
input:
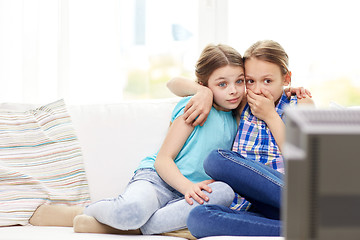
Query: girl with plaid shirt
pixel 254 169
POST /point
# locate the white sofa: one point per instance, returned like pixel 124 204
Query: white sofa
pixel 113 139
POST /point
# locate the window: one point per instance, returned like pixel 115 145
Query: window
pixel 134 51
pixel 94 51
pixel 318 36
pixel 106 51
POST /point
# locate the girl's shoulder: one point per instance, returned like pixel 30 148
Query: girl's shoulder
pixel 184 100
pixel 179 108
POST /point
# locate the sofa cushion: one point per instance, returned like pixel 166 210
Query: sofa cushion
pixel 40 162
pixel 115 137
pixel 67 233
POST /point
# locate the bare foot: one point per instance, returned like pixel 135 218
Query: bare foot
pixel 55 215
pixel 88 224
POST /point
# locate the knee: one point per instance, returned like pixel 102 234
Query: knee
pixel 131 216
pixel 203 221
pixel 195 221
pixel 222 194
pixel 120 215
pixel 211 164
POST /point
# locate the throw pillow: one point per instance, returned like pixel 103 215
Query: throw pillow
pixel 40 162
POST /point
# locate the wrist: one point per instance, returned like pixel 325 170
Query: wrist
pixel 271 116
pixel 205 92
pixel 202 88
pixel 185 186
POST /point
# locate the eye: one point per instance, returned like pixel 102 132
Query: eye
pixel 267 81
pixel 249 81
pixel 222 84
pixel 240 81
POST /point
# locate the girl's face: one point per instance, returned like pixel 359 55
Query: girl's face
pixel 228 87
pixel 260 74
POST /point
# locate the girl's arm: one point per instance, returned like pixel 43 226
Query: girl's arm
pixel 165 166
pixel 300 92
pixel 263 108
pixel 183 87
pixel 199 106
pixel 306 100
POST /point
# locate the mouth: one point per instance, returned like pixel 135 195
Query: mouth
pixel 234 100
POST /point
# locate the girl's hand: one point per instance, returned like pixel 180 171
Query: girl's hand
pixel 299 91
pixel 195 192
pixel 198 108
pixel 262 106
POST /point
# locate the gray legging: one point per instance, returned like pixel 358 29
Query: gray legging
pixel 152 205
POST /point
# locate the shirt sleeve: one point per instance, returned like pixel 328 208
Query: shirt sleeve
pixel 179 108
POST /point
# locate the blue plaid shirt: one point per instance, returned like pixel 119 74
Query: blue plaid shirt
pixel 254 141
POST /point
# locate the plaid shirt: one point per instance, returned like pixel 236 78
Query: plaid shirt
pixel 254 141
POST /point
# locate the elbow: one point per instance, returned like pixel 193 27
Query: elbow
pixel 170 83
pixel 162 163
pixel 156 165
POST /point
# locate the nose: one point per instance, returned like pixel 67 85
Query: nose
pixel 232 89
pixel 256 89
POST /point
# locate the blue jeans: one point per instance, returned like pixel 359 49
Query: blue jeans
pixel 259 184
pixel 152 205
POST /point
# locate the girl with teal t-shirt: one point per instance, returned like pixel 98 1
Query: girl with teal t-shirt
pixel 169 184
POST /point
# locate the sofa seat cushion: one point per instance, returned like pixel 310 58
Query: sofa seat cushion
pixel 62 233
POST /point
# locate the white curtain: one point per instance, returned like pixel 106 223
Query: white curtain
pixel 51 49
pixel 86 51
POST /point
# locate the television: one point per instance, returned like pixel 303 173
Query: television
pixel 321 197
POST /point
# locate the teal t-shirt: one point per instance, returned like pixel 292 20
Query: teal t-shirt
pixel 218 131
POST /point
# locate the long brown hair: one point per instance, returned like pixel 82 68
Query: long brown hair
pixel 214 57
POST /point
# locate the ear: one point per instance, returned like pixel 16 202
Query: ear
pixel 287 79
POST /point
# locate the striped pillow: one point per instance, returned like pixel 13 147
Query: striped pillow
pixel 40 162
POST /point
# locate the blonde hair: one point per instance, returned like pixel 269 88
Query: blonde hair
pixel 214 57
pixel 270 51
